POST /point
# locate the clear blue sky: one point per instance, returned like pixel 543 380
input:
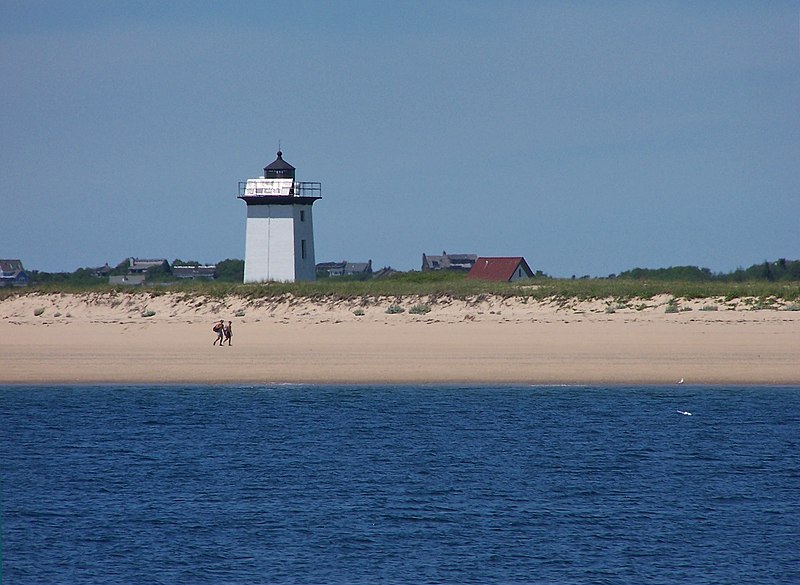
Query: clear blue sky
pixel 588 137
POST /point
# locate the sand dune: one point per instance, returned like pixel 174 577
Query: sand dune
pixel 140 338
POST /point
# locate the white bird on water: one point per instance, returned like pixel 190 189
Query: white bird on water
pixel 680 381
pixel 684 412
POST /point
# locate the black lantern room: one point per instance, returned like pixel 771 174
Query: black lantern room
pixel 279 169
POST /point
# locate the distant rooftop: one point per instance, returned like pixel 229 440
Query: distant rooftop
pixel 448 261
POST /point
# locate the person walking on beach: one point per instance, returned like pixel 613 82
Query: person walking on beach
pixel 219 329
pixel 228 331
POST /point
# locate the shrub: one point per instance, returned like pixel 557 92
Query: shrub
pixel 672 307
pixel 762 304
pixel 709 308
pixel 419 309
pixel 395 309
pixel 38 312
pixel 358 312
pixel 148 313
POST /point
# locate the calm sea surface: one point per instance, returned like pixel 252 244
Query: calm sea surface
pixel 331 484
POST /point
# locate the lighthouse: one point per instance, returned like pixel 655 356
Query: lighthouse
pixel 279 244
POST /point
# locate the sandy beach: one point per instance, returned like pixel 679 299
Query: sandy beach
pixel 139 338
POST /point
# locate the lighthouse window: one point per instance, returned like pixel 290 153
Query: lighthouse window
pixel 303 249
pixel 302 215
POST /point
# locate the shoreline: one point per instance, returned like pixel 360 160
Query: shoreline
pixel 106 340
pixel 383 384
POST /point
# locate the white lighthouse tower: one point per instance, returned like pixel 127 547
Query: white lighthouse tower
pixel 279 244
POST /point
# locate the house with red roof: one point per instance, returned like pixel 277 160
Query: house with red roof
pixel 500 269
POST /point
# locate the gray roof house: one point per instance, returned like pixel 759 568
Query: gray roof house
pixel 137 271
pixel 128 279
pixel 345 268
pixel 102 271
pixel 12 273
pixel 448 262
pixel 194 272
pixel 141 265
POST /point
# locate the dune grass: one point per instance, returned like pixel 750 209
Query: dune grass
pixel 453 285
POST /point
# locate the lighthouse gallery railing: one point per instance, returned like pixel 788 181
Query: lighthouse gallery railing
pixel 299 189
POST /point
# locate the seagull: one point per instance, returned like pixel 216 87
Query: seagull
pixel 684 412
pixel 680 381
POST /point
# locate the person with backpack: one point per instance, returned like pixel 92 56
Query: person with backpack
pixel 219 329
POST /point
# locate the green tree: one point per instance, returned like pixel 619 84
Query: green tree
pixel 121 268
pixel 684 273
pixel 160 273
pixel 230 270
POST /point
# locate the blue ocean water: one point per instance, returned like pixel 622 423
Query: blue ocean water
pixel 331 484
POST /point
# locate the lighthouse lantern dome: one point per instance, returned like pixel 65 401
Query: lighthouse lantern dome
pixel 279 169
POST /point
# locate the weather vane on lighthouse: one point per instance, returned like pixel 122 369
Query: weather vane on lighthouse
pixel 279 242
